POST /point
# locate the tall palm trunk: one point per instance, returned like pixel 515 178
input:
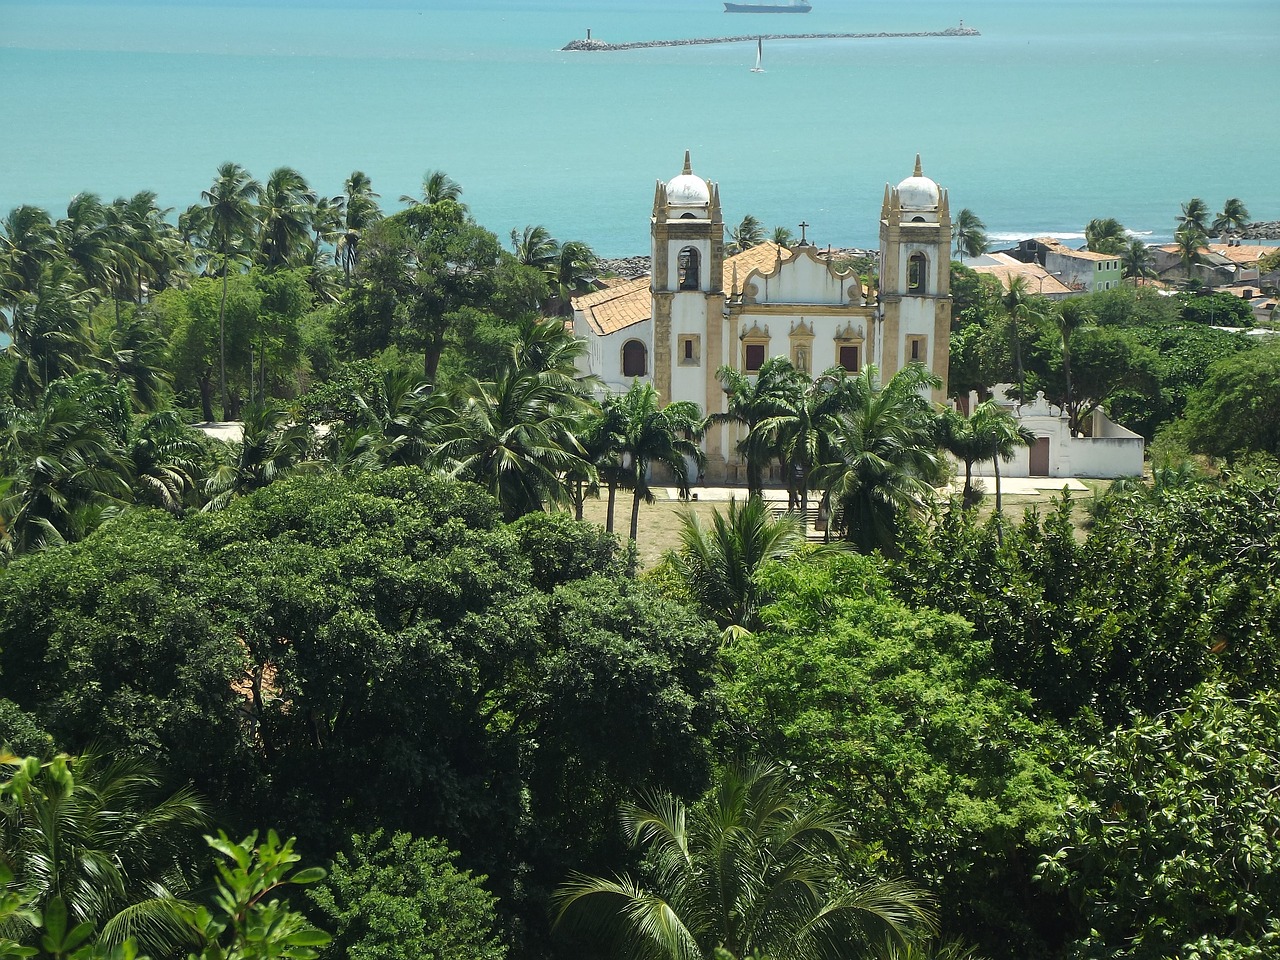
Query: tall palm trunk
pixel 613 498
pixel 635 510
pixel 222 331
pixel 999 505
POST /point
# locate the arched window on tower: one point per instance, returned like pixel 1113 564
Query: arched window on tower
pixel 917 273
pixel 690 269
pixel 635 359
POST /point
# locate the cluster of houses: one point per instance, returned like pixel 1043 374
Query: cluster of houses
pixel 1057 271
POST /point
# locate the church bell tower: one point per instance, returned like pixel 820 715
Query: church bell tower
pixel 915 278
pixel 687 286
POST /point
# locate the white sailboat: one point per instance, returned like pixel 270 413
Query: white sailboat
pixel 759 55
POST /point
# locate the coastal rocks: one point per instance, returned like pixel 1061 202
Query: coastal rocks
pixel 1262 230
pixel 591 45
pixel 629 268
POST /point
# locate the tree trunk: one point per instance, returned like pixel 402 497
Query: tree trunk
pixel 222 334
pixel 966 498
pixel 635 511
pixel 613 496
pixel 579 495
pixel 206 399
pixel 1066 374
pixel 996 461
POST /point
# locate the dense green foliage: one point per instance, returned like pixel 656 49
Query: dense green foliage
pixel 751 870
pixel 366 622
pixel 1170 847
pixel 897 716
pixel 1237 411
pixel 338 655
pixel 401 898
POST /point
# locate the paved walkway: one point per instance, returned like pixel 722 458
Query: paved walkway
pixel 1009 486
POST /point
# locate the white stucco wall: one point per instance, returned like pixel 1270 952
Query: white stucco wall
pixel 1113 451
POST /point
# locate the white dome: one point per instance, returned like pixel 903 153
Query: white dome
pixel 688 189
pixel 918 192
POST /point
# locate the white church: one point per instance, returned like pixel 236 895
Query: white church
pixel 701 310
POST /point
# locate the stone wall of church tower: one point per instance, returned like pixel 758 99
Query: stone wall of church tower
pixel 915 279
pixel 687 235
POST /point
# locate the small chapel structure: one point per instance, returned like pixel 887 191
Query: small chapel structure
pixel 700 310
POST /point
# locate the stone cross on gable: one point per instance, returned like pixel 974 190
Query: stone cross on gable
pixel 803 227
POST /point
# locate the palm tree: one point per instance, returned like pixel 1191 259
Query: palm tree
pixel 102 838
pixel 751 402
pixel 750 871
pixel 401 422
pixel 535 247
pixel 1233 218
pixel 164 457
pixel 545 345
pixel 513 435
pixel 999 436
pixel 284 213
pixel 970 234
pixel 883 456
pixel 574 268
pixel 1106 235
pixel 651 434
pixel 360 211
pixel 63 464
pixel 1021 307
pixel 272 447
pixel 800 428
pixel 782 236
pixel 436 186
pixel 156 252
pixel 47 330
pixel 1137 261
pixel 1195 214
pixel 749 233
pixel 28 243
pixel 719 565
pixel 133 351
pixel 1068 317
pixel 86 241
pixel 1190 241
pixel 230 216
pixel 957 436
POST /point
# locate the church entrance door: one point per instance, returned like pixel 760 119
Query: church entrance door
pixel 1040 458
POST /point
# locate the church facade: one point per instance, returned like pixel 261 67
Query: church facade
pixel 700 310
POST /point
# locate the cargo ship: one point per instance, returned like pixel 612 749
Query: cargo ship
pixel 795 6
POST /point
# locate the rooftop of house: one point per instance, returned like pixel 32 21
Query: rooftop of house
pixel 1039 280
pixel 1060 248
pixel 1245 256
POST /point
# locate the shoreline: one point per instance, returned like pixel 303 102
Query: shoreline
pixel 588 45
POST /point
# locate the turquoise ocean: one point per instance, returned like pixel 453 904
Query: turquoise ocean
pixel 1058 112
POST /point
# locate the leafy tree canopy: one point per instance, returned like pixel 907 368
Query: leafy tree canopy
pixel 896 716
pixel 397 897
pixel 1169 848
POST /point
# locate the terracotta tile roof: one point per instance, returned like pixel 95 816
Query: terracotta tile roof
pixel 1060 248
pixel 1243 255
pixel 761 257
pixel 1038 280
pixel 628 302
pixel 618 307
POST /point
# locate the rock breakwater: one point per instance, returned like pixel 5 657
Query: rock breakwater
pixel 592 45
pixel 1262 230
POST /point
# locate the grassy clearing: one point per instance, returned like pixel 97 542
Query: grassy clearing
pixel 658 529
